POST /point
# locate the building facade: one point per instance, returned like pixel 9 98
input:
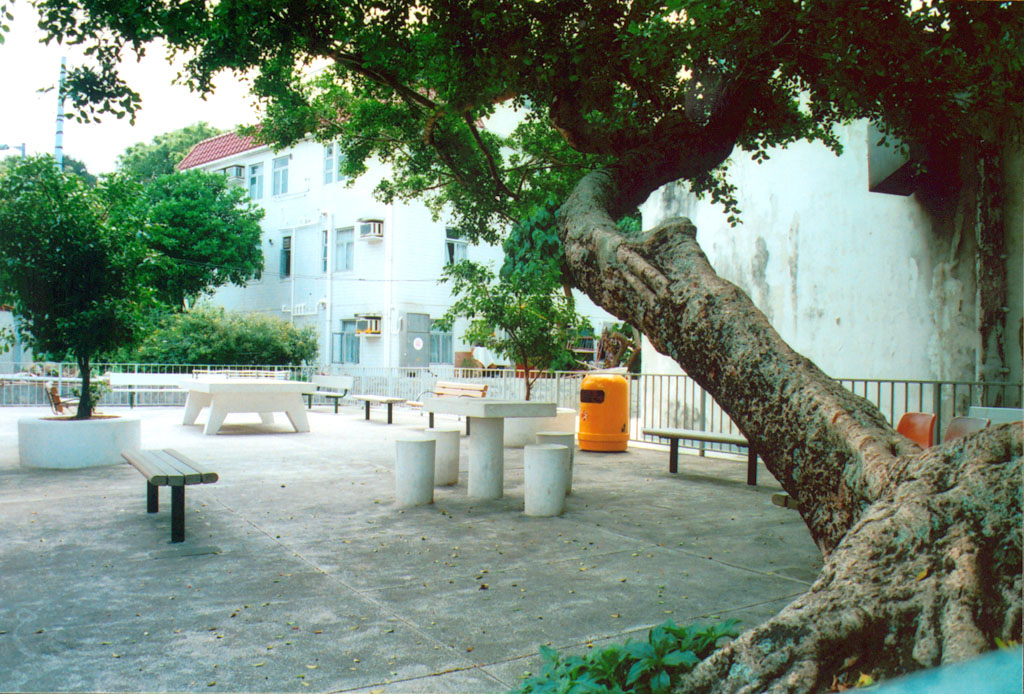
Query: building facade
pixel 363 272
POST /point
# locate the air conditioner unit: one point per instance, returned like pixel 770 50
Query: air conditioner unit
pixel 370 228
pixel 368 325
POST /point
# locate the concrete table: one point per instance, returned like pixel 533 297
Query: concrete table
pixel 261 395
pixel 487 442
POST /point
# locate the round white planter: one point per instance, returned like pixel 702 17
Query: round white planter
pixel 522 431
pixel 70 443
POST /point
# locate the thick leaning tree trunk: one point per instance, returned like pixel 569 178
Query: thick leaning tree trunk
pixel 922 549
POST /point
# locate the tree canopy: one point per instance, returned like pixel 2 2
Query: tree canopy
pixel 411 82
pixel 202 233
pixel 147 161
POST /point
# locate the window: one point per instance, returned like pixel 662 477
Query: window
pixel 349 342
pixel 440 346
pixel 454 246
pixel 281 175
pixel 325 242
pixel 344 249
pixel 286 256
pixel 256 181
pixel 371 228
pixel 329 163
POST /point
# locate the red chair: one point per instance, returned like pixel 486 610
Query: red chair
pixel 961 426
pixel 919 427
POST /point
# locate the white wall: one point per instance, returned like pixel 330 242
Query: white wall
pixel 864 284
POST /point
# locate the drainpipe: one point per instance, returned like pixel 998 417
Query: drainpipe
pixel 389 276
pixel 329 293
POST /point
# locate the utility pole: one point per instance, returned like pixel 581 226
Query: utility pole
pixel 58 149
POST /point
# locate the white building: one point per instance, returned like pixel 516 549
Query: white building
pixel 865 284
pixel 364 273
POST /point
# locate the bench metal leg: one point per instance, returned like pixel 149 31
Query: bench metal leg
pixel 751 466
pixel 389 412
pixel 309 401
pixel 178 514
pixel 336 405
pixel 152 498
pixel 367 408
pixel 467 426
pixel 673 456
pixel 431 419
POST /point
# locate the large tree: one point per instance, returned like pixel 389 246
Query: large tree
pixel 202 233
pixel 618 97
pixel 147 161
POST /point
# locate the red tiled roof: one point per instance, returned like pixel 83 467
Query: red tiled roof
pixel 216 147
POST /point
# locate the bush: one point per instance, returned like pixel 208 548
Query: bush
pixel 209 335
pixel 651 666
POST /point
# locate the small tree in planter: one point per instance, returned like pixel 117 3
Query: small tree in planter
pixel 69 262
pixel 523 316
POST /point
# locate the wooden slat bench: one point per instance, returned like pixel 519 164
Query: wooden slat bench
pixel 380 399
pixel 675 435
pixel 168 468
pixel 334 387
pixel 452 389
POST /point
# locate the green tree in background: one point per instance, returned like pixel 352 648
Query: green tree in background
pixel 147 161
pixel 69 262
pixel 523 316
pixel 203 233
pixel 210 335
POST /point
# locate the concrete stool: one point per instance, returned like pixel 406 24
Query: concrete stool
pixel 414 471
pixel 545 471
pixel 446 461
pixel 562 438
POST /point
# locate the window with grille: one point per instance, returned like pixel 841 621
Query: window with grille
pixel 256 181
pixel 286 256
pixel 344 249
pixel 455 247
pixel 280 186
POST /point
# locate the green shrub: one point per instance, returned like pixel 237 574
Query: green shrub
pixel 209 335
pixel 650 667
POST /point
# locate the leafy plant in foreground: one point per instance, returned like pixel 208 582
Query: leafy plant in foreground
pixel 645 667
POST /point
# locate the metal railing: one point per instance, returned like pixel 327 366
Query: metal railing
pixel 656 400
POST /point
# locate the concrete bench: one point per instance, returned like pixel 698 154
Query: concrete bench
pixel 135 383
pixel 334 387
pixel 675 435
pixel 168 468
pixel 379 399
pixel 452 389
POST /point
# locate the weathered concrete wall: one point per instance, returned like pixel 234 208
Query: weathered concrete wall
pixel 865 284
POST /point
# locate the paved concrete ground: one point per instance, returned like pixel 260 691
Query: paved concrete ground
pixel 299 573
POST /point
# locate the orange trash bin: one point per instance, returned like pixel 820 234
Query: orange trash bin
pixel 604 413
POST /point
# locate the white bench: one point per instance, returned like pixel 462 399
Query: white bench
pixel 334 387
pixel 134 383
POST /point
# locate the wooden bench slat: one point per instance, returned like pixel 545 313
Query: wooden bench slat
pixel 168 467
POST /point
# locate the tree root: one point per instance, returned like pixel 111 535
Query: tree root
pixel 929 575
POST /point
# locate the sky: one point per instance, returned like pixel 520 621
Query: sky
pixel 26 116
